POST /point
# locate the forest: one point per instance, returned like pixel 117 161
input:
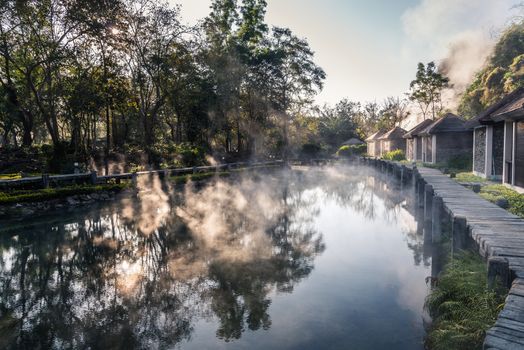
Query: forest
pixel 104 82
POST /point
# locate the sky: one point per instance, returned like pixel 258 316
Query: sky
pixel 370 48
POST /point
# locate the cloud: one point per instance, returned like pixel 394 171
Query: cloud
pixel 458 34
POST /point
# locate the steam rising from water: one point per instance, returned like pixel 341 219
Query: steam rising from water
pixel 231 219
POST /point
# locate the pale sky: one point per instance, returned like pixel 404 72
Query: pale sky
pixel 370 48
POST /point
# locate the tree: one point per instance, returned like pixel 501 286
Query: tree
pixel 501 75
pixel 427 88
pixel 393 111
pixel 295 78
pixel 338 124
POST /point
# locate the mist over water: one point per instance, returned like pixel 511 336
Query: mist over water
pixel 309 258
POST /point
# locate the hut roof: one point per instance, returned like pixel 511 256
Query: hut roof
pixel 418 129
pixel 448 123
pixel 508 106
pixel 353 141
pixel 376 136
pixel 395 133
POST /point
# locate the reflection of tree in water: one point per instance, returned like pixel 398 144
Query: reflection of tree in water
pixel 98 281
pixel 374 195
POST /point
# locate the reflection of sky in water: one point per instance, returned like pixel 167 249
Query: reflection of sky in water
pixel 365 292
pixel 308 260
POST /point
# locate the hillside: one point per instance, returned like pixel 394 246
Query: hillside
pixel 503 73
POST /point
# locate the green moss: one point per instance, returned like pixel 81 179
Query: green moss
pixel 20 196
pixel 461 306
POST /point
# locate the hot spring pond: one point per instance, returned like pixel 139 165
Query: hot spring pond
pixel 305 259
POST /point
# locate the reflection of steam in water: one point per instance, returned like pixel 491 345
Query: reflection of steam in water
pixel 137 275
pixel 141 273
pixel 232 220
pixel 362 189
pixel 152 207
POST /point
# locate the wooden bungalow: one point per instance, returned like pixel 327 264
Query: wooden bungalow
pixel 445 139
pixel 502 128
pixel 496 151
pixel 393 140
pixel 414 141
pixel 374 144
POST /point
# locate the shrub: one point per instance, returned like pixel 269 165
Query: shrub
pixel 353 150
pixel 461 306
pixel 55 193
pixel 460 163
pixel 310 149
pixel 396 155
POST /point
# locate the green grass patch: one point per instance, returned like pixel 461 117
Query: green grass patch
pixel 10 176
pixel 493 193
pixel 20 196
pixel 461 305
pixel 469 177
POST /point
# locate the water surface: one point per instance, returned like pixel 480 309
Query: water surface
pixel 305 259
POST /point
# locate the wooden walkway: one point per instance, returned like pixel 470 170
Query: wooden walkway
pixel 498 234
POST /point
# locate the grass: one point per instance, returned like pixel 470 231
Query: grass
pixel 469 177
pixel 515 200
pixel 21 196
pixel 461 305
pixel 10 176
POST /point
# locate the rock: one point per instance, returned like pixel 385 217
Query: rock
pixel 72 201
pixel 476 188
pixel 503 203
pixel 26 212
pixel 84 198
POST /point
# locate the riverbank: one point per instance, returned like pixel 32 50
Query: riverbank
pixel 494 232
pixel 23 203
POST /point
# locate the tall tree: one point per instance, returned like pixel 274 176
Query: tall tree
pixel 426 89
pixel 295 77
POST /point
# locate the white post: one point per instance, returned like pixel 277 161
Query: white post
pixel 434 149
pixel 513 153
pixel 474 151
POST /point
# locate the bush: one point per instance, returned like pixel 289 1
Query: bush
pixel 350 151
pixel 310 150
pixel 461 306
pixel 55 193
pixel 396 155
pixel 460 163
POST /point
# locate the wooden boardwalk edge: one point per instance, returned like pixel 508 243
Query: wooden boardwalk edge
pixel 499 236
